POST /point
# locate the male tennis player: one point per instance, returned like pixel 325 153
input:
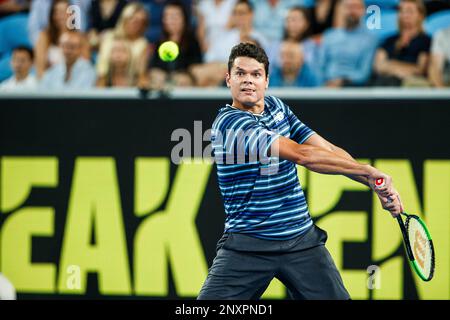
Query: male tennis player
pixel 268 230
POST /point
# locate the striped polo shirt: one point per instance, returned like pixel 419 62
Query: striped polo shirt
pixel 262 194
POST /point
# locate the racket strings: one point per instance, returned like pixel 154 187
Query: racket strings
pixel 420 246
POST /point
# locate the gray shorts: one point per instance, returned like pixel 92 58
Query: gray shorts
pixel 244 266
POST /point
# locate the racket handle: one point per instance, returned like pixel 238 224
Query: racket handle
pixel 379 183
pixel 405 238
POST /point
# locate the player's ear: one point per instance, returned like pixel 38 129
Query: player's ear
pixel 267 82
pixel 227 79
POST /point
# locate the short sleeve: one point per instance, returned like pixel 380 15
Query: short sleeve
pixel 240 138
pixel 299 132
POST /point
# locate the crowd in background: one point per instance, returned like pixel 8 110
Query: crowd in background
pixel 310 43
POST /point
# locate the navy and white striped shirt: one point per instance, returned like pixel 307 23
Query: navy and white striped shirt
pixel 262 194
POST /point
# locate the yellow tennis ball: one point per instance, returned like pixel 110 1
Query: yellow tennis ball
pixel 168 51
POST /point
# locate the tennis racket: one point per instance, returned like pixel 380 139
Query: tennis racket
pixel 418 243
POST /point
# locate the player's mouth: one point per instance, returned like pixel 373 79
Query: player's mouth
pixel 248 90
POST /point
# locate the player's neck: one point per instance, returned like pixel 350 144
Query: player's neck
pixel 256 108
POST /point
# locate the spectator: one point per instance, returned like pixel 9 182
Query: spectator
pixel 294 71
pixel 40 12
pixel 347 53
pixel 131 26
pixel 297 28
pixel 21 64
pixel 404 56
pixel 439 69
pixel 270 15
pixel 74 72
pixel 47 49
pixel 213 72
pixel 103 15
pixel 213 21
pixel 176 28
pixel 156 7
pixel 120 73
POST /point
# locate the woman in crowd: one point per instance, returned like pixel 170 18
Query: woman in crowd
pixel 47 50
pixel 131 26
pixel 176 28
pixel 403 58
pixel 104 15
pixel 120 72
pixel 297 29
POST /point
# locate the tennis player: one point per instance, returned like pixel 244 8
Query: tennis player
pixel 257 143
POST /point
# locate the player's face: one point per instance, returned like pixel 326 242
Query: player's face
pixel 248 82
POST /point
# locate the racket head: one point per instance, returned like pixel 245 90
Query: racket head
pixel 421 247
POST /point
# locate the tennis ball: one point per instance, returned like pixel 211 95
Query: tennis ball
pixel 168 51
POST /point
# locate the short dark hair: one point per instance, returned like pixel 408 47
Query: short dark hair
pixel 246 49
pixel 247 2
pixel 26 49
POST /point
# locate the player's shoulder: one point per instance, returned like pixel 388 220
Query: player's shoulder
pixel 275 103
pixel 228 116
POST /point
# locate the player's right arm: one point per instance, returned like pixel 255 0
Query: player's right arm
pixel 322 160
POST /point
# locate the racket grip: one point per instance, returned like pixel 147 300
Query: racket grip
pixel 379 183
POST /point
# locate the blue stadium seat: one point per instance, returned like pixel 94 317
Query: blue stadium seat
pixel 437 21
pixel 5 66
pixel 388 24
pixel 14 32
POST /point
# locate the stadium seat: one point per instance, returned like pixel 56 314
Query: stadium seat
pixel 5 67
pixel 388 24
pixel 437 21
pixel 14 32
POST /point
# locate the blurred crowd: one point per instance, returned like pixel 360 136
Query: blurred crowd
pixel 52 45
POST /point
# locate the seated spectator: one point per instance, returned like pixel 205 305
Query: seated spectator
pixel 405 55
pixel 74 72
pixel 213 71
pixel 103 15
pixel 9 7
pixel 121 72
pixel 293 71
pixel 176 28
pixel 213 17
pixel 40 12
pixel 439 69
pixel 47 49
pixel 297 28
pixel 347 53
pixel 270 15
pixel 131 26
pixel 155 8
pixel 21 64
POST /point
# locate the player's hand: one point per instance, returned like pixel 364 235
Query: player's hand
pixel 385 190
pixel 393 204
